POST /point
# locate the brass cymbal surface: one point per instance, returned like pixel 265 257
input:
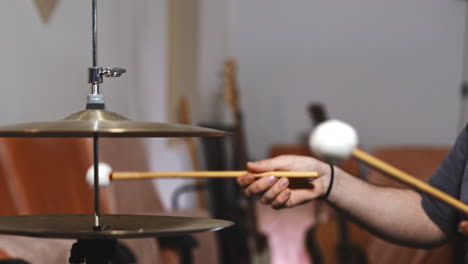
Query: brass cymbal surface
pixel 102 123
pixel 113 226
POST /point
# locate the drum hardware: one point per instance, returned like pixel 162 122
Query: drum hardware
pixel 96 229
pixel 95 73
pixel 95 77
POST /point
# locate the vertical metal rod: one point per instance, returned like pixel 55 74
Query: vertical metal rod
pixel 95 90
pixel 97 226
pixel 94 33
pixel 94 86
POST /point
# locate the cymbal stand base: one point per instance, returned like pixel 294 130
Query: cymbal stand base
pixel 92 251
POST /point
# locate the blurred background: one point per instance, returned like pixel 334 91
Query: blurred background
pixel 393 69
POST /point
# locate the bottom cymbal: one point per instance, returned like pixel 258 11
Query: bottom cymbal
pixel 114 226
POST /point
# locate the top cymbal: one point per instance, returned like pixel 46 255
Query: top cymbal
pixel 102 123
pixel 114 226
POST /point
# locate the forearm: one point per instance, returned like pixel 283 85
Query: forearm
pixel 395 214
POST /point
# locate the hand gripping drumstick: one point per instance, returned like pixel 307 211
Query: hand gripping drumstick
pixel 334 140
pixel 106 174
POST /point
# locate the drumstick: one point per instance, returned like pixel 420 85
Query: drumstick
pixel 344 146
pixel 106 174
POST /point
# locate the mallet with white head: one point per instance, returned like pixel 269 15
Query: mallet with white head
pixel 106 175
pixel 335 140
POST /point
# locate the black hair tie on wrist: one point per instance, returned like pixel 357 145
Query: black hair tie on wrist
pixel 332 176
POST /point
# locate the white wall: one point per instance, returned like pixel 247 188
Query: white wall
pixel 214 48
pixel 44 66
pixel 390 68
pixel 152 56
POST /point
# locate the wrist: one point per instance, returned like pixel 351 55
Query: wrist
pixel 328 183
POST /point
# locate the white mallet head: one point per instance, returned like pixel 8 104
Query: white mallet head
pixel 333 140
pixel 104 175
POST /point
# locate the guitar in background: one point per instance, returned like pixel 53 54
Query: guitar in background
pixel 256 241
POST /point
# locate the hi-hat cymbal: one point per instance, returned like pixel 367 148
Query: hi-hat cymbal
pixel 114 226
pixel 102 123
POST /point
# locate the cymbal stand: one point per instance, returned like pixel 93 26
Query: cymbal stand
pixel 95 251
pixel 95 100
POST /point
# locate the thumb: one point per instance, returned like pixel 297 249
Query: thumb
pixel 283 163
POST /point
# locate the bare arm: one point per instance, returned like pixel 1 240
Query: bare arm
pixel 392 213
pixel 395 214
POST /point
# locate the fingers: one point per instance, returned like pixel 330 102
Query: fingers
pixel 274 190
pixel 288 198
pixel 277 163
pixel 463 228
pixel 260 186
pixel 245 180
pixel 281 199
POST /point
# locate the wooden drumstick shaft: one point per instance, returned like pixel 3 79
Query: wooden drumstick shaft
pixel 208 174
pixel 408 179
